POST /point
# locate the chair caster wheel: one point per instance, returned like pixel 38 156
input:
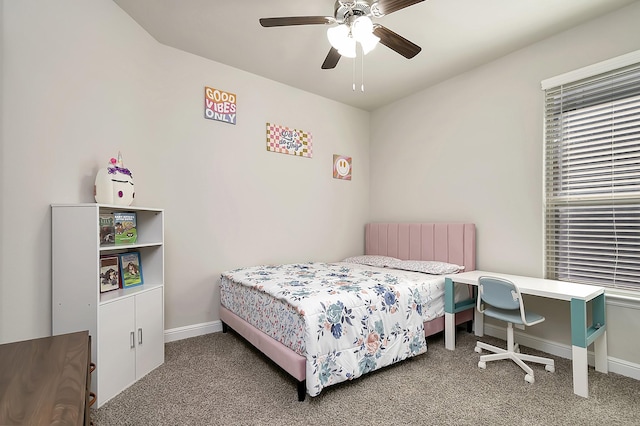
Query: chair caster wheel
pixel 482 364
pixel 529 378
pixel 550 368
pixel 478 349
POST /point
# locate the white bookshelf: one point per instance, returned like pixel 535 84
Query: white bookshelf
pixel 126 325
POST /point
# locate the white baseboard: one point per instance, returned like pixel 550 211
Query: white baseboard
pixel 624 368
pixel 192 331
pixel 615 365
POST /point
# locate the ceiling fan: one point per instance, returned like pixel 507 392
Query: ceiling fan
pixel 355 24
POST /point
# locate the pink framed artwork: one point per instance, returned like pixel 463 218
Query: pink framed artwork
pixel 290 141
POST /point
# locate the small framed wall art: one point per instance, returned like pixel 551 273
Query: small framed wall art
pixel 289 141
pixel 341 167
pixel 219 105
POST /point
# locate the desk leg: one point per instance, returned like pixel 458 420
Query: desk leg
pixel 580 371
pixel 600 340
pixel 583 335
pixel 600 349
pixel 478 323
pixel 449 315
pixel 450 310
pixel 449 331
pixel 579 347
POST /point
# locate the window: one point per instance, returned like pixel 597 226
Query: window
pixel 592 179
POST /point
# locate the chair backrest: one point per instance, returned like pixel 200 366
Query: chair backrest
pixel 499 293
pixel 505 301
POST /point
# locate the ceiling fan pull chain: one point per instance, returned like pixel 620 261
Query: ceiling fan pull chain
pixel 353 85
pixel 362 75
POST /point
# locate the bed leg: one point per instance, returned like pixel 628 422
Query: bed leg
pixel 470 326
pixel 302 390
pixel 225 327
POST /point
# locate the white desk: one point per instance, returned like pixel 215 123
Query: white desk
pixel 582 334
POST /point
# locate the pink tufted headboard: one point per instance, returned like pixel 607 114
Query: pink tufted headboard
pixel 445 242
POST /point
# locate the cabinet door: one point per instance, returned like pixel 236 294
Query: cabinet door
pixel 149 331
pixel 116 348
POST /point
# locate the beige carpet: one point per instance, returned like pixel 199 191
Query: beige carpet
pixel 219 379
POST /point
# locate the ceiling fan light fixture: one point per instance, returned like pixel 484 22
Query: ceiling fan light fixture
pixel 362 28
pixel 348 48
pixel 369 43
pixel 338 36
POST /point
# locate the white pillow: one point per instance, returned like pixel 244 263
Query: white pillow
pixel 428 266
pixel 374 260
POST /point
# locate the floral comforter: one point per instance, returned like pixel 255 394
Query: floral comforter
pixel 356 319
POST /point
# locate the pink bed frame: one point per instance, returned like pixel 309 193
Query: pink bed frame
pixel 446 242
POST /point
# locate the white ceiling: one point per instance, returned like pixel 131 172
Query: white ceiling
pixel 455 35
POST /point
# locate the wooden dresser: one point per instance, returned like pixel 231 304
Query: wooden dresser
pixel 46 381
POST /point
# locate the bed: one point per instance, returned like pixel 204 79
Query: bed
pixel 325 323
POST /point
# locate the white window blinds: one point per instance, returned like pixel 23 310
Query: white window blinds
pixel 592 179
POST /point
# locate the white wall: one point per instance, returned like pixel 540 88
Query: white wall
pixel 2 253
pixel 81 81
pixel 470 149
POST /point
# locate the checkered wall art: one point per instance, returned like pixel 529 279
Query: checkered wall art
pixel 289 141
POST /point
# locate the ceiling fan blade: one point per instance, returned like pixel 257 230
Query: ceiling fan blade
pixel 296 20
pixel 331 60
pixel 396 42
pixel 389 6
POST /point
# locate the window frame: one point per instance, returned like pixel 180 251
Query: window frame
pixel 569 207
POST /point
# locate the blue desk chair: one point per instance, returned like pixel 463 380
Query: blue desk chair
pixel 501 299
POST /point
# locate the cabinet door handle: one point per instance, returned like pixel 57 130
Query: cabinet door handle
pixel 139 336
pixel 133 339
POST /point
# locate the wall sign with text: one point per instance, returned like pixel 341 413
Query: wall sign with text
pixel 219 105
pixel 289 141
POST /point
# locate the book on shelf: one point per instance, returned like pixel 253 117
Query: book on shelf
pixel 109 273
pixel 131 269
pixel 107 229
pixel 125 228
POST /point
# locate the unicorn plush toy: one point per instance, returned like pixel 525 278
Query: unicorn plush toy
pixel 114 184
